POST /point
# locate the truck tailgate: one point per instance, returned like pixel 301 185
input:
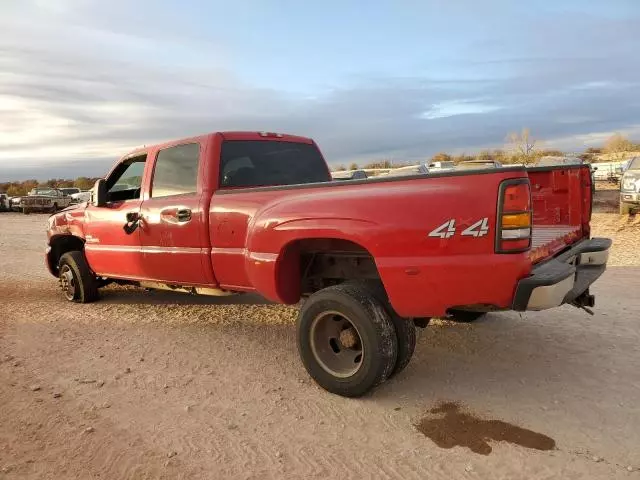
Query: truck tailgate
pixel 561 198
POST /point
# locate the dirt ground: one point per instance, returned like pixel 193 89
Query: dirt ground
pixel 154 385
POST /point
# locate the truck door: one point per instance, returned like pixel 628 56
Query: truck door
pixel 174 227
pixel 111 250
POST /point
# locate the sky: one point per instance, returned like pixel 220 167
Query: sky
pixel 84 81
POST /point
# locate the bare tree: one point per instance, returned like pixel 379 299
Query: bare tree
pixel 522 145
pixel 442 157
pixel 353 166
pixel 617 143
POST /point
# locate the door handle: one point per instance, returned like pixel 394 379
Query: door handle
pixel 183 215
pixel 133 221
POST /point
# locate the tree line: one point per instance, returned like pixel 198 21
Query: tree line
pixel 521 148
pixel 15 189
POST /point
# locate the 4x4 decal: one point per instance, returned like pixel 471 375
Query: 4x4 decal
pixel 448 229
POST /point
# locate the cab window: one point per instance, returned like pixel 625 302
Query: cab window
pixel 126 180
pixel 176 171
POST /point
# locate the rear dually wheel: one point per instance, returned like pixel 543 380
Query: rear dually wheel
pixel 346 340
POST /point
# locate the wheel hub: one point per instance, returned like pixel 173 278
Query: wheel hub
pixel 67 282
pixel 348 337
pixel 336 344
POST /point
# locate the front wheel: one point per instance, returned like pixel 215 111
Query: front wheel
pixel 77 281
pixel 346 340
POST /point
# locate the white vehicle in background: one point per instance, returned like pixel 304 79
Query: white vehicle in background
pixel 70 191
pixel 14 204
pixel 478 164
pixel 630 187
pixel 4 203
pixel 442 166
pixel 349 175
pixel 410 170
pixel 81 197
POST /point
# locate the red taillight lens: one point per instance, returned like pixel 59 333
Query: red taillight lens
pixel 517 198
pixel 514 217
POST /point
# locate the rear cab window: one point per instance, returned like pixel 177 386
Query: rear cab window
pixel 263 163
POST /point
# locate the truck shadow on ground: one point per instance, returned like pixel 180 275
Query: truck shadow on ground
pixel 140 296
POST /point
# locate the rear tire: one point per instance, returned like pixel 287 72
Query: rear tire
pixel 405 328
pixel 625 208
pixel 463 316
pixel 77 281
pixel 346 339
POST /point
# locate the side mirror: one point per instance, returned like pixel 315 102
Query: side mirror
pixel 99 195
pixel 595 168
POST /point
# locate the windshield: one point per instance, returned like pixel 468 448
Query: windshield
pixel 255 163
pixel 634 164
pixel 43 191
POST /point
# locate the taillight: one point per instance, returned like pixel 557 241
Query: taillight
pixel 513 233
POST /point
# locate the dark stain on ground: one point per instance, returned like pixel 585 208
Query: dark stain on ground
pixel 458 428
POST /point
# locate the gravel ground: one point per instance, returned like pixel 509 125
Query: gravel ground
pixel 154 385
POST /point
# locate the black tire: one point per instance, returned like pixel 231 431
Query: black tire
pixel 625 208
pixel 405 328
pixel 54 208
pixel 464 316
pixel 374 331
pixel 26 211
pixel 73 268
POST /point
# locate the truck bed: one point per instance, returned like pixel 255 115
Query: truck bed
pixel 561 199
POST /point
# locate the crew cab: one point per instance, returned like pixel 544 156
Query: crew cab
pixel 233 212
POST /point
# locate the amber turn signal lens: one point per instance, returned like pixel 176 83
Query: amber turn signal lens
pixel 516 220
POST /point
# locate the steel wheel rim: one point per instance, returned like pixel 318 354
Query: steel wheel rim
pixel 336 344
pixel 67 282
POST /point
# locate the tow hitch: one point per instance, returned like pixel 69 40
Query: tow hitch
pixel 585 301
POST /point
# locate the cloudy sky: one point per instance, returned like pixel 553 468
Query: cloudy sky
pixel 83 81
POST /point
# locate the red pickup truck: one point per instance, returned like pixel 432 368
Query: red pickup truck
pixel 234 212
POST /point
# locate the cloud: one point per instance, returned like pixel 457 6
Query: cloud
pixel 79 90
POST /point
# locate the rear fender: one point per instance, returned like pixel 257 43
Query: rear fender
pixel 272 258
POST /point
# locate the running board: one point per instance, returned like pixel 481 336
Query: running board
pixel 212 292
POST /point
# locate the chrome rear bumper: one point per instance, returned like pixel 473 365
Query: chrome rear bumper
pixel 563 278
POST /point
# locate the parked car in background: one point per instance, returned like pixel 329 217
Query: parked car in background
pixel 474 164
pixel 349 175
pixel 630 187
pixel 81 197
pixel 410 170
pixel 14 204
pixel 4 203
pixel 434 166
pixel 70 191
pixel 44 200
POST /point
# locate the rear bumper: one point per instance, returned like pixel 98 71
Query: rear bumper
pixel 563 278
pixel 629 197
